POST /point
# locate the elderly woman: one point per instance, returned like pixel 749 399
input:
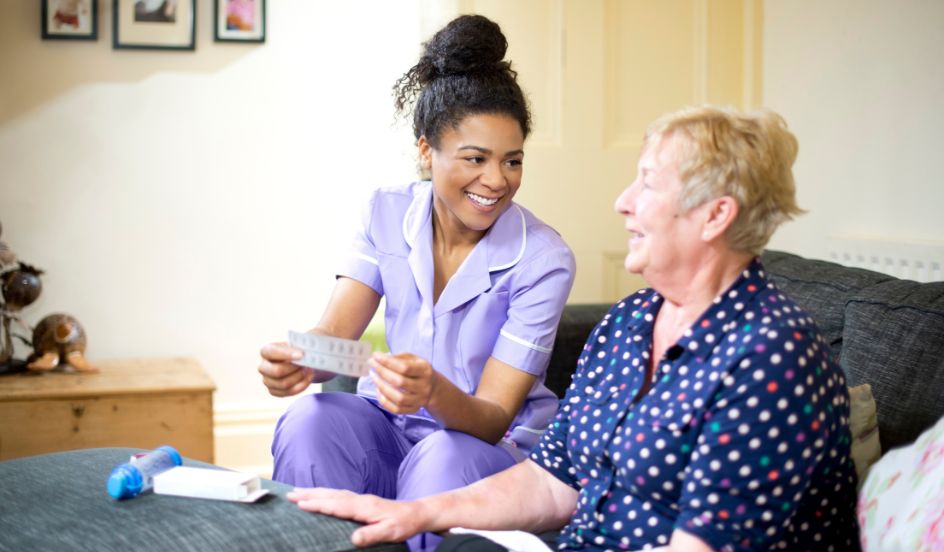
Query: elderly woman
pixel 705 413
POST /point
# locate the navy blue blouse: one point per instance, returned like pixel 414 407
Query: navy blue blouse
pixel 742 439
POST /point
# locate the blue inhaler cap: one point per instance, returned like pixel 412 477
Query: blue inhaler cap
pixel 124 482
pixel 172 452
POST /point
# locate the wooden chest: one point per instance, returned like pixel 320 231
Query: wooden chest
pixel 142 403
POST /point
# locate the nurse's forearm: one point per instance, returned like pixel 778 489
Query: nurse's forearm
pixel 456 409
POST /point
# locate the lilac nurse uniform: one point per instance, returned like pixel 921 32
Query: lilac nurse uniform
pixel 505 301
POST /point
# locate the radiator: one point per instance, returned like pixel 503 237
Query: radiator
pixel 922 262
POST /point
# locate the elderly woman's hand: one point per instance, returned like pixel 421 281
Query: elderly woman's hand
pixel 405 382
pixel 384 520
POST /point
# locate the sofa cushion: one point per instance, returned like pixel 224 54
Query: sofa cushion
pixel 821 288
pixel 59 502
pixel 894 340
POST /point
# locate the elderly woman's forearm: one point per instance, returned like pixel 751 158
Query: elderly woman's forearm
pixel 523 497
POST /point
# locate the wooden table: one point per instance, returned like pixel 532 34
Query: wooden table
pixel 141 403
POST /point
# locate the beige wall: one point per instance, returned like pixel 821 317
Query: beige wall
pixel 860 83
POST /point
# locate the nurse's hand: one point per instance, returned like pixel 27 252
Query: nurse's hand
pixel 283 378
pixel 405 382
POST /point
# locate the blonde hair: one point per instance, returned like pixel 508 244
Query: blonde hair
pixel 748 157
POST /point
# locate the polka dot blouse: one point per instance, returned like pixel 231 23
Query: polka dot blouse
pixel 741 440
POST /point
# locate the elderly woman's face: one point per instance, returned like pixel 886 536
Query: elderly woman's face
pixel 662 236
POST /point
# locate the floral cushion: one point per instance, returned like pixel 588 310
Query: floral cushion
pixel 901 505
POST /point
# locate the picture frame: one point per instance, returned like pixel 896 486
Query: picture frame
pixel 69 19
pixel 239 20
pixel 154 24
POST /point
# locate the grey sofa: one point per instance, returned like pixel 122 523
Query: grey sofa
pixel 883 331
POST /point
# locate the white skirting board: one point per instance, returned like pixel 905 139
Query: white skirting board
pixel 242 435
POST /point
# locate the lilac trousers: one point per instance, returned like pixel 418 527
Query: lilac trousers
pixel 344 441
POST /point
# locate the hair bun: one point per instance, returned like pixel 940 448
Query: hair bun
pixel 468 44
pixel 461 72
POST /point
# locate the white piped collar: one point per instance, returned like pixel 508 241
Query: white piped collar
pixel 504 244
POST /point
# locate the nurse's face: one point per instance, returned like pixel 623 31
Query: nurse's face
pixel 476 171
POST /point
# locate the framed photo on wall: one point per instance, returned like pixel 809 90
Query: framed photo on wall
pixel 70 19
pixel 154 24
pixel 239 20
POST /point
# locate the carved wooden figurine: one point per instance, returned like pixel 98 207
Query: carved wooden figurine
pixel 59 338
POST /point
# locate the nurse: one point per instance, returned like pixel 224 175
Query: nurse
pixel 474 286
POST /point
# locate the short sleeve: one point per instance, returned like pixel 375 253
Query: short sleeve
pixel 767 433
pixel 534 310
pixel 362 261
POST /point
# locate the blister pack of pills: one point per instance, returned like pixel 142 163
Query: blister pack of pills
pixel 332 354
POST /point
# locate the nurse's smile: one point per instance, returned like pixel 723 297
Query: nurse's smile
pixel 481 202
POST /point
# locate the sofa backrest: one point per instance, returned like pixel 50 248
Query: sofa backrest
pixel 883 331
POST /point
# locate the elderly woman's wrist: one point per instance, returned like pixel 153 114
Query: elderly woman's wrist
pixel 426 515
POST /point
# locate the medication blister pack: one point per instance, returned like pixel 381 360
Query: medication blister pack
pixel 332 354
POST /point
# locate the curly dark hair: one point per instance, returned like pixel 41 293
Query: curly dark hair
pixel 462 72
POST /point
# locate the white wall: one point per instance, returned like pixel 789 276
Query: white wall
pixel 860 83
pixel 197 203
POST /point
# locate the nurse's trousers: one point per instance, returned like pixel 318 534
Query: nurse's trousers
pixel 344 441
